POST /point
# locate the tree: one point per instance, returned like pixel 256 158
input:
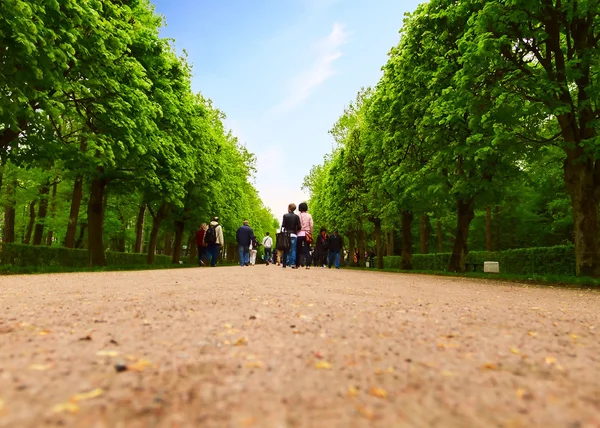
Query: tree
pixel 546 54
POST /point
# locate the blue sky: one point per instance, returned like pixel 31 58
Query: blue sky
pixel 282 71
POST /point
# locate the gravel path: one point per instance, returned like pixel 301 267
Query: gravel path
pixel 267 347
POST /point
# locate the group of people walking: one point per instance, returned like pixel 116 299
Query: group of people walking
pixel 295 246
pixel 298 247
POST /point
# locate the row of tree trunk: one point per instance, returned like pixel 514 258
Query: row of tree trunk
pixel 465 216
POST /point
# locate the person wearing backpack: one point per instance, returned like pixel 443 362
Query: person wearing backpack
pixel 213 238
pixel 267 245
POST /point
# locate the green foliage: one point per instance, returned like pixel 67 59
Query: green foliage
pixel 483 107
pixel 558 260
pixel 90 93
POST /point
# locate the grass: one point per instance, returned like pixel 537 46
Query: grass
pixel 545 280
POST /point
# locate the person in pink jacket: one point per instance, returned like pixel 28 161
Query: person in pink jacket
pixel 303 244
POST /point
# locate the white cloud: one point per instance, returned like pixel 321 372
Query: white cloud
pixel 328 51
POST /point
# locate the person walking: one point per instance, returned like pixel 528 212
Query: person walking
pixel 321 247
pixel 267 243
pixel 291 224
pixel 357 257
pixel 253 251
pixel 213 239
pixel 335 246
pixel 304 236
pixel 244 237
pixel 200 243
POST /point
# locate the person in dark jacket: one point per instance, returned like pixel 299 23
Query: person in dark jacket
pixel 321 247
pixel 335 246
pixel 291 224
pixel 244 237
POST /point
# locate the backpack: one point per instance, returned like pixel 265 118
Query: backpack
pixel 210 237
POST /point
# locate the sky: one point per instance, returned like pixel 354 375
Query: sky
pixel 282 71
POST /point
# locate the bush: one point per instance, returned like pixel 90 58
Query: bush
pixel 559 260
pixel 21 255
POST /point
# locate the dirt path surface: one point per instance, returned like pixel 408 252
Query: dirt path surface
pixel 267 347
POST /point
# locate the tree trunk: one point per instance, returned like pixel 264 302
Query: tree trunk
pixel 95 214
pixel 352 246
pixel 232 254
pixel 139 229
pixel 193 252
pixel 407 219
pixel 424 233
pixel 497 222
pixel 177 245
pixel 42 211
pixel 168 243
pixel 390 242
pixel 31 223
pixel 74 214
pixel 583 184
pixel 379 247
pixel 362 247
pixel 50 236
pixel 488 228
pixel 460 250
pixel 157 219
pixel 79 242
pixel 440 237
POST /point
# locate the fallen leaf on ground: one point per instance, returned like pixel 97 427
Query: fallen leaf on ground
pixel 40 367
pixel 490 366
pixel 353 391
pixel 106 353
pixel 227 325
pixel 447 373
pixel 242 341
pixel 522 393
pixel 550 360
pixel 87 395
pixel 65 407
pixel 365 411
pixel 323 365
pixel 447 345
pixel 382 371
pixel 141 365
pixel 44 332
pixel 515 351
pixel 532 333
pixel 378 392
pixel 254 365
